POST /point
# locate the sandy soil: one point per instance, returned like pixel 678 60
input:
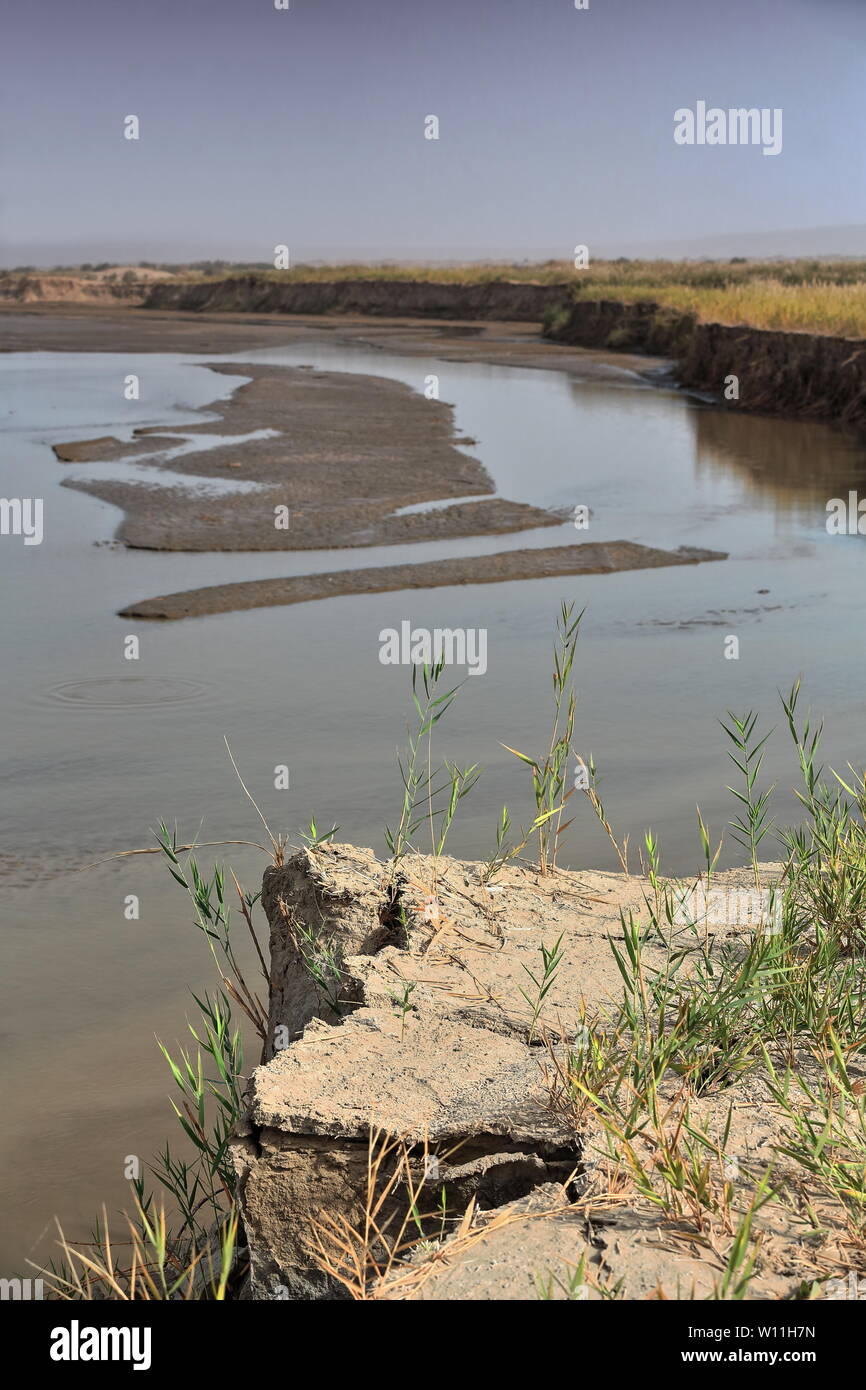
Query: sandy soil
pixel 589 558
pixel 82 328
pixel 350 452
pixel 431 1036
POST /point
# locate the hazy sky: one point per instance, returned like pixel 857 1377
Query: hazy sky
pixel 306 126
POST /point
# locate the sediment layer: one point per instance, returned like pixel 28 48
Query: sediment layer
pixel 415 1073
pixel 70 289
pixel 493 299
pixel 542 563
pixel 807 374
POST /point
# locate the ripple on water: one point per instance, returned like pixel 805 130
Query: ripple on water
pixel 127 692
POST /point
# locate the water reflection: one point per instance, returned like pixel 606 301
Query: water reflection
pixel 792 466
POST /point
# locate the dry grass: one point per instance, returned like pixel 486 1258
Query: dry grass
pixel 599 272
pixel 765 302
pixel 801 295
pixel 394 1246
pixel 797 295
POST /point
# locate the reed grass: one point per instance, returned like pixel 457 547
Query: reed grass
pixel 803 295
pixel 786 1005
pixel 797 295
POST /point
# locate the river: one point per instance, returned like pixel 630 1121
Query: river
pixel 96 749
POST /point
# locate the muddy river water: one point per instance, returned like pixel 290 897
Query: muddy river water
pixel 95 749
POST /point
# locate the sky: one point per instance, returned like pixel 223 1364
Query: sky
pixel 305 127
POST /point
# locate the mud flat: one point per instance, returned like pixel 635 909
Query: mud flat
pixel 340 456
pixel 344 456
pixel 345 453
pixel 548 563
pixel 112 328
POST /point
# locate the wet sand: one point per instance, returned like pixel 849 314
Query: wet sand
pixel 350 451
pixel 80 328
pixel 551 562
pixel 344 456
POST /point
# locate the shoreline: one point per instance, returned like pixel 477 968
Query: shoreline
pixel 59 327
pixel 773 372
pixel 817 375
